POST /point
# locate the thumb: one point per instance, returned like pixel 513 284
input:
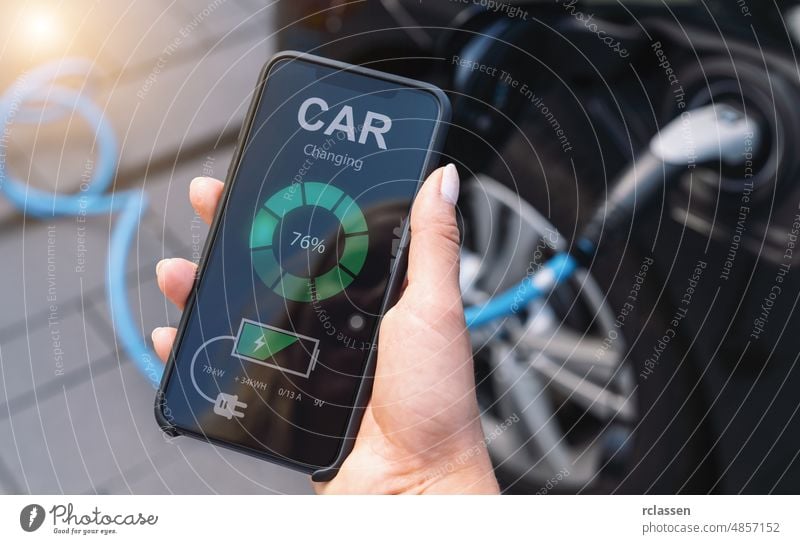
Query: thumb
pixel 433 260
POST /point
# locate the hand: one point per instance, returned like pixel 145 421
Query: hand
pixel 421 430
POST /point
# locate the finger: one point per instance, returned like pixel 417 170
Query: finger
pixel 433 259
pixel 175 279
pixel 163 338
pixel 205 194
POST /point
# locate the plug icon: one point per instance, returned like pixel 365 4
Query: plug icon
pixel 228 406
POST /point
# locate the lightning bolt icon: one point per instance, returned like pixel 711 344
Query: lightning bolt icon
pixel 34 514
pixel 259 342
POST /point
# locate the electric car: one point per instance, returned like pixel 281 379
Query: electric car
pixel 667 363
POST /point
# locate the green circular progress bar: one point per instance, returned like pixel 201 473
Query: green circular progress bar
pixel 329 283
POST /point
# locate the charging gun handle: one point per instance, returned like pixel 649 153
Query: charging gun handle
pixel 633 191
pixel 701 136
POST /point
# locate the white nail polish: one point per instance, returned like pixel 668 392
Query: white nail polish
pixel 450 184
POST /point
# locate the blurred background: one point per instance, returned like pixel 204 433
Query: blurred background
pixel 577 396
pixel 174 81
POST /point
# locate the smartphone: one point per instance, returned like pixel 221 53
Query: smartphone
pixel 276 347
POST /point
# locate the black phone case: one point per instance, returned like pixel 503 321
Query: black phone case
pixel 396 275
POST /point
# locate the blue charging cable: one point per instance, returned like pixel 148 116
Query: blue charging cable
pixel 37 97
pixel 551 274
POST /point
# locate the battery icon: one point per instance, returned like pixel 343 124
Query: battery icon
pixel 276 348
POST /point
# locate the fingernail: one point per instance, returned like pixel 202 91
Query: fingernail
pixel 159 265
pixel 450 184
pixel 155 333
pixel 197 185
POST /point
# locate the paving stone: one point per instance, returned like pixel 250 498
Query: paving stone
pixel 8 484
pixel 140 31
pixel 150 308
pixel 221 17
pixel 177 226
pixel 190 466
pixel 84 436
pixel 59 155
pixel 57 350
pixel 16 161
pixel 161 114
pixel 52 262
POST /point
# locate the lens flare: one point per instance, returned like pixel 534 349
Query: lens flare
pixel 41 26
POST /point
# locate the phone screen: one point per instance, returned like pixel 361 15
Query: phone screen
pixel 275 345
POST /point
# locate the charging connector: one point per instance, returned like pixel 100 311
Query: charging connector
pixel 228 406
pixel 696 138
